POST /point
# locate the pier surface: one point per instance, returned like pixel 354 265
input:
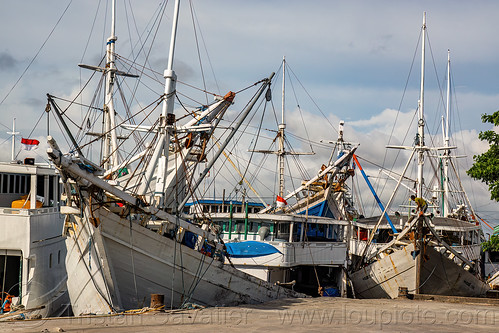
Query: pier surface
pixel 291 315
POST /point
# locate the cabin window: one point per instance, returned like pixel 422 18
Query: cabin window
pixel 224 226
pixel 260 225
pixel 58 257
pixel 11 183
pixel 493 256
pixel 238 209
pixel 5 183
pixel 28 183
pixel 283 228
pixel 17 183
pixel 40 184
pixel 206 208
pixel 239 227
pixel 328 231
pixel 14 183
pixel 10 269
pixel 451 237
pixel 51 197
pixel 384 236
pixel 362 234
pixel 50 260
pixel 23 184
pixel 253 227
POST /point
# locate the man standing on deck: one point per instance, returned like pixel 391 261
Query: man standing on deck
pixel 422 205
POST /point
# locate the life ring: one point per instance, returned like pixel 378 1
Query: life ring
pixel 7 302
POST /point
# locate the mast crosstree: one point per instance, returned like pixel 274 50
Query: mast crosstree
pixel 281 137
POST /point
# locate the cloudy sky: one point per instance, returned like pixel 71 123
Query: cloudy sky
pixel 353 57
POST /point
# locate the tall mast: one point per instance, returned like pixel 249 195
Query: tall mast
pixel 420 142
pixel 281 152
pixel 159 159
pixel 419 148
pixel 446 144
pixel 448 101
pixel 167 111
pixel 111 144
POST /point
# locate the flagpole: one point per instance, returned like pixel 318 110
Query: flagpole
pixel 13 133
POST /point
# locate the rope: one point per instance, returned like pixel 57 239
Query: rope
pixel 199 280
pixel 90 33
pixel 76 103
pixel 76 238
pixel 157 101
pixel 32 130
pixel 301 113
pixel 197 48
pixel 313 101
pixel 319 287
pixel 131 254
pixel 422 284
pixel 34 58
pixel 174 263
pixel 254 146
pixel 397 115
pixel 207 54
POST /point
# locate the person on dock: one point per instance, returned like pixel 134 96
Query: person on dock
pixel 421 203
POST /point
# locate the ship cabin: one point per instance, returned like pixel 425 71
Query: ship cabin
pixel 464 236
pixel 238 220
pixel 31 243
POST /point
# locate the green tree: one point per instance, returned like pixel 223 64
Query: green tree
pixel 486 165
pixel 492 244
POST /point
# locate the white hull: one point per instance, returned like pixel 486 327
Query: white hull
pixel 299 253
pixel 129 262
pixel 32 239
pixel 440 276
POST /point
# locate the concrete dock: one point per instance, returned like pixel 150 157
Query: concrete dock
pixel 292 315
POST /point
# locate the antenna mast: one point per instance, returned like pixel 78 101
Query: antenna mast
pixel 13 133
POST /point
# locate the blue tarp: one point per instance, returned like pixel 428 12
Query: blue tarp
pixel 331 292
pixel 249 249
pixel 320 209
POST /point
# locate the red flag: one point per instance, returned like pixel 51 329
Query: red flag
pixel 281 202
pixel 29 144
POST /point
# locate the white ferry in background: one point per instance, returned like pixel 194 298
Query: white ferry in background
pixel 32 248
pixel 304 252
